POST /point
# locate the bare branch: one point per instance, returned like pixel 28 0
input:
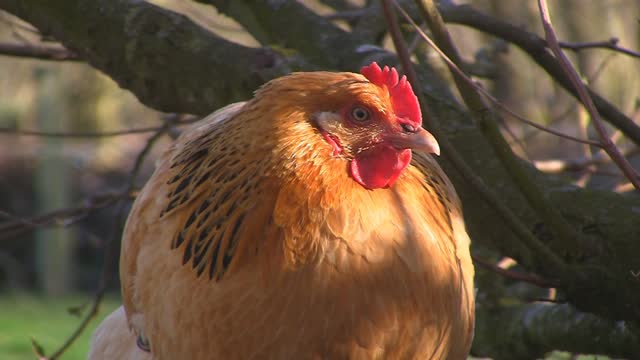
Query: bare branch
pixel 21 132
pixel 585 98
pixel 111 248
pixel 572 108
pixel 557 165
pixel 513 275
pixel 512 221
pixel 560 227
pixel 41 51
pixel 320 41
pixel 183 68
pixel 347 14
pixel 535 47
pixel 611 44
pixel 59 217
pixel 484 92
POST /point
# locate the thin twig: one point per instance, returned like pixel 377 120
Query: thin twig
pixel 611 44
pixel 44 52
pixel 528 278
pixel 177 119
pixel 110 248
pixel 515 139
pixel 536 48
pixel 579 86
pixel 567 237
pixel 557 165
pixel 485 93
pixel 14 24
pixel 553 263
pixel 572 108
pixel 62 217
pixel 20 132
pixel 348 15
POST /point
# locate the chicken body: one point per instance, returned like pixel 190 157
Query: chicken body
pixel 252 240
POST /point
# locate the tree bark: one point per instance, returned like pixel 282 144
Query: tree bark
pixel 169 62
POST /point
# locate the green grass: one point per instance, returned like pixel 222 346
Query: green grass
pixel 50 324
pixel 47 320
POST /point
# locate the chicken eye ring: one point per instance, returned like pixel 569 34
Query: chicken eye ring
pixel 360 114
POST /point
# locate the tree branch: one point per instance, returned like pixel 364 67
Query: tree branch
pixel 536 48
pixel 91 134
pixel 585 98
pixel 533 279
pixel 611 44
pixel 40 51
pixel 168 61
pixel 61 217
pixel 565 236
pixel 320 41
pixel 371 25
pixel 536 329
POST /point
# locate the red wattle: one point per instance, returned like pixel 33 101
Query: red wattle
pixel 379 166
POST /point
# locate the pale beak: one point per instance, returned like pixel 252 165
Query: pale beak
pixel 421 140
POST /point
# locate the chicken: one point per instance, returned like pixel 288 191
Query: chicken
pixel 299 225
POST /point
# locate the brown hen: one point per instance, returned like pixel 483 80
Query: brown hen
pixel 298 225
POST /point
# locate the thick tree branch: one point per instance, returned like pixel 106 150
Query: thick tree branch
pixel 167 60
pixel 536 329
pixel 316 37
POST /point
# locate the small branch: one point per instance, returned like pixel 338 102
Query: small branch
pixel 557 166
pixel 19 132
pixel 585 98
pixel 67 216
pixel 455 69
pixel 572 107
pixel 611 44
pixel 43 52
pixel 111 248
pixel 4 18
pixel 60 217
pixel 513 275
pixel 348 15
pixel 536 48
pixel 488 120
pixel 552 262
pixel 370 26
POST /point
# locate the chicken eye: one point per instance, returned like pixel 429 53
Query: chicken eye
pixel 408 128
pixel 360 114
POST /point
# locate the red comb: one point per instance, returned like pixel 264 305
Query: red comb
pixel 405 102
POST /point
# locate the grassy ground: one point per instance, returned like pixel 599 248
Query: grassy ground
pixel 47 321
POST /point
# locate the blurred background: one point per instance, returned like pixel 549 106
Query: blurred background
pixel 44 271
